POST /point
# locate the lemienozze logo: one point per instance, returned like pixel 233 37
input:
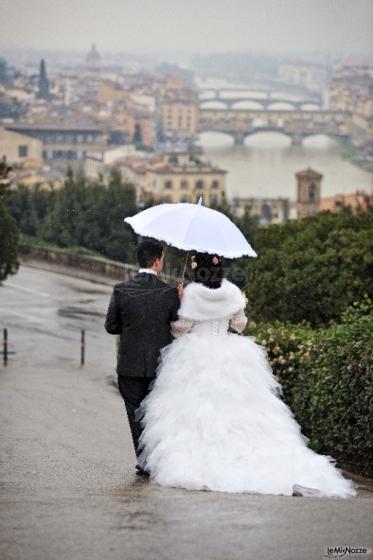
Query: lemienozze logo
pixel 340 551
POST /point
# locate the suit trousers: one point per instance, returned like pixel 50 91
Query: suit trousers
pixel 133 390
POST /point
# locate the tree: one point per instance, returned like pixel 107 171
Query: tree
pixel 9 239
pixel 83 213
pixel 9 234
pixel 311 269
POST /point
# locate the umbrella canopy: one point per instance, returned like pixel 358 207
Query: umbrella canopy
pixel 192 227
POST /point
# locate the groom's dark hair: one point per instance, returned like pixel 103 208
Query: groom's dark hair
pixel 147 251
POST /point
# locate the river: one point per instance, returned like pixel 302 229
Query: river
pixel 266 164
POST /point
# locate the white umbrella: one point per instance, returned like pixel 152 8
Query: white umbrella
pixel 192 227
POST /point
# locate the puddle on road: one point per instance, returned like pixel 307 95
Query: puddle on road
pixel 90 291
pixel 138 520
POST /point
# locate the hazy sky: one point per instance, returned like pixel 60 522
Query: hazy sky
pixel 188 26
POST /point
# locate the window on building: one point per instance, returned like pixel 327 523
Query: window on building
pixel 312 193
pixel 266 212
pixel 184 198
pixel 215 185
pixel 22 150
pixel 214 199
pixel 168 184
pixel 184 185
pixel 199 185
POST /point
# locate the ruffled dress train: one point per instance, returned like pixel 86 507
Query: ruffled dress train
pixel 214 420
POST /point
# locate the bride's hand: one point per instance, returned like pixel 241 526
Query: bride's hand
pixel 180 291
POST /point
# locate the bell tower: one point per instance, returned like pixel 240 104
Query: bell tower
pixel 308 192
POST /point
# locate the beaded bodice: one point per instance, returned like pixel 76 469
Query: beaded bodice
pixel 211 327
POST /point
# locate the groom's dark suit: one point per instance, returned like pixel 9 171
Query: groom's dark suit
pixel 140 311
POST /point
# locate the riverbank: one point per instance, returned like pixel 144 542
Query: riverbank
pixel 351 153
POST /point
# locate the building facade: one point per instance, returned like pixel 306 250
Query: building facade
pixel 267 210
pixel 17 147
pixel 358 200
pixel 175 178
pixel 178 114
pixel 351 90
pixel 62 142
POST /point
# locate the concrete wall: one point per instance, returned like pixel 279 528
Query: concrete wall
pixel 96 269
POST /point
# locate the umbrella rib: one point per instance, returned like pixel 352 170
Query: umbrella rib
pixel 187 229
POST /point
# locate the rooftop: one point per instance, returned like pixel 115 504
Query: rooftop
pixel 77 127
pixel 162 165
pixel 309 173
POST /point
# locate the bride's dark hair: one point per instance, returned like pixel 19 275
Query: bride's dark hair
pixel 208 270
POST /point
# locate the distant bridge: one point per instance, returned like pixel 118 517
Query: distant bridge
pixel 269 97
pixel 233 102
pixel 296 124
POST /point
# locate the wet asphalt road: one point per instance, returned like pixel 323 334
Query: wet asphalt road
pixel 44 313
pixel 67 488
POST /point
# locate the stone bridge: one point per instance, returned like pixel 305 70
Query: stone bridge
pixel 269 97
pixel 296 124
pixel 233 102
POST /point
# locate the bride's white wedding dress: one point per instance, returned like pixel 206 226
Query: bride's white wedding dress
pixel 214 418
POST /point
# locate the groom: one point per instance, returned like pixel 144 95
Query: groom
pixel 141 311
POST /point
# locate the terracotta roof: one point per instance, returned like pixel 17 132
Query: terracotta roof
pixel 64 127
pixel 309 172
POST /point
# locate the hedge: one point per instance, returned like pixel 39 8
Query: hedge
pixel 327 381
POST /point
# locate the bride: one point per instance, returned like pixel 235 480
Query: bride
pixel 214 419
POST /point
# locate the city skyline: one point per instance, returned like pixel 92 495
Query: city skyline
pixel 193 27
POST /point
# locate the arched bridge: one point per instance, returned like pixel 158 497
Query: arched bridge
pixel 297 124
pixel 229 101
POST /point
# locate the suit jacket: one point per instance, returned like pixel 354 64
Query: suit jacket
pixel 140 311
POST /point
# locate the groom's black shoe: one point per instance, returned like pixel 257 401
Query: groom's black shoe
pixel 141 471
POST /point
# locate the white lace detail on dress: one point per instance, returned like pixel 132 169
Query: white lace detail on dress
pixel 238 322
pixel 214 327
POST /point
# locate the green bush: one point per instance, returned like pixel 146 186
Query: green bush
pixel 9 237
pixel 327 380
pixel 311 269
